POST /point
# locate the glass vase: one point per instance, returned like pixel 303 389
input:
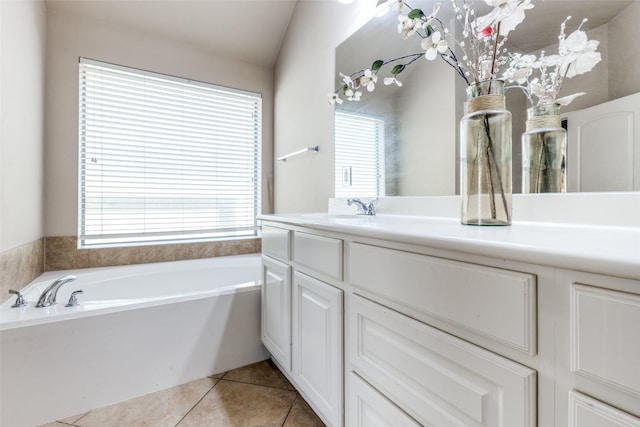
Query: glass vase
pixel 485 156
pixel 544 147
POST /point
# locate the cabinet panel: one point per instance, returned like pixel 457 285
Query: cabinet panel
pixel 318 253
pixel 276 310
pixel 317 345
pixel 276 242
pixel 368 408
pixel 585 411
pixel 436 378
pixel 605 339
pixel 491 302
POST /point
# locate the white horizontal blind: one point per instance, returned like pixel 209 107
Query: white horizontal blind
pixel 359 152
pixel 164 158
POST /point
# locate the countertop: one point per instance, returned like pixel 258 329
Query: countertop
pixel 590 248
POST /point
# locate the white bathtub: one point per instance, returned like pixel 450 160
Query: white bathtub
pixel 137 329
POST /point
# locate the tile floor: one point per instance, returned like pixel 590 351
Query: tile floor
pixel 254 395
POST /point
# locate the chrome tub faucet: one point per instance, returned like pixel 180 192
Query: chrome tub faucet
pixel 49 295
pixel 363 209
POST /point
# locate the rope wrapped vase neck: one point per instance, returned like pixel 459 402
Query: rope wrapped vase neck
pixel 543 122
pixel 484 102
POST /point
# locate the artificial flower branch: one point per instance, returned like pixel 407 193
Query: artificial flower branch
pixel 482 44
pixel 576 55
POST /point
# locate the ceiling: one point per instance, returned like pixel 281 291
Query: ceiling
pixel 246 30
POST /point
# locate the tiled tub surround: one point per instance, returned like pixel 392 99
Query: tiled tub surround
pixel 138 329
pixel 21 265
pixel 62 253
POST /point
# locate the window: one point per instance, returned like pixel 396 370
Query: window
pixel 359 153
pixel 164 158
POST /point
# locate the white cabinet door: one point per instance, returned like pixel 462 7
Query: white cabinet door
pixel 585 411
pixel 605 340
pixel 276 310
pixel 436 378
pixel 603 150
pixel 317 345
pixel 368 408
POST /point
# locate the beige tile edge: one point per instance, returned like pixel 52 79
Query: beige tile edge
pixel 19 266
pixel 62 253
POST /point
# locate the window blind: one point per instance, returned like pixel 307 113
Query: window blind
pixel 359 152
pixel 164 158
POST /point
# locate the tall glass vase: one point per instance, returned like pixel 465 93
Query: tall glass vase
pixel 544 146
pixel 485 156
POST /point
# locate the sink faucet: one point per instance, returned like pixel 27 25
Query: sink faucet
pixel 363 209
pixel 49 295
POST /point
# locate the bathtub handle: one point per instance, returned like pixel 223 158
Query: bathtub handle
pixel 20 302
pixel 73 299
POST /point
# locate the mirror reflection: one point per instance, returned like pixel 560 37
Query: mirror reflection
pixel 403 141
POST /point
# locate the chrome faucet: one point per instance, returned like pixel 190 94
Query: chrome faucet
pixel 363 209
pixel 49 295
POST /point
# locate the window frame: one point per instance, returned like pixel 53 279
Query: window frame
pixel 252 143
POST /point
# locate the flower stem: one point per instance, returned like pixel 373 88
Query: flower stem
pixel 495 53
pixel 492 157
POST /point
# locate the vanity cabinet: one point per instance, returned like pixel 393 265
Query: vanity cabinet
pixel 435 377
pixel 388 332
pixel 302 314
pixel 317 344
pixel 367 407
pixel 276 295
pixel 604 353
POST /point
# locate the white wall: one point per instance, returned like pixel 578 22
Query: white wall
pixel 22 43
pixel 70 37
pixel 304 75
pixel 428 131
pixel 623 36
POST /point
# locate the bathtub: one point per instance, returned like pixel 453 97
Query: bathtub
pixel 137 329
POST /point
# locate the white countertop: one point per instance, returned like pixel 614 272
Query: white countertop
pixel 590 248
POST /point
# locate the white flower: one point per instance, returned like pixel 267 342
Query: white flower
pixel 583 63
pixel 391 80
pixel 369 80
pixel 523 61
pixel 353 95
pixel 578 54
pixel 398 5
pixel 520 68
pixel 333 98
pixel 434 45
pixel 508 13
pixel 566 100
pixel 347 80
pixel 517 75
pixel 577 43
pixel 427 20
pixel 407 26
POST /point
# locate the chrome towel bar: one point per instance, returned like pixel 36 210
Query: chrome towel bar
pixel 295 153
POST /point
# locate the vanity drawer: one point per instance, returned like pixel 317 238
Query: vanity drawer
pixel 585 411
pixel 276 242
pixel 494 303
pixel 605 339
pixel 318 253
pixel 367 407
pixel 434 377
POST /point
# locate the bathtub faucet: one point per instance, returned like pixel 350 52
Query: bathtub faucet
pixel 363 209
pixel 49 295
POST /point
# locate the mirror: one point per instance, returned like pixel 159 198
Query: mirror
pixel 420 141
